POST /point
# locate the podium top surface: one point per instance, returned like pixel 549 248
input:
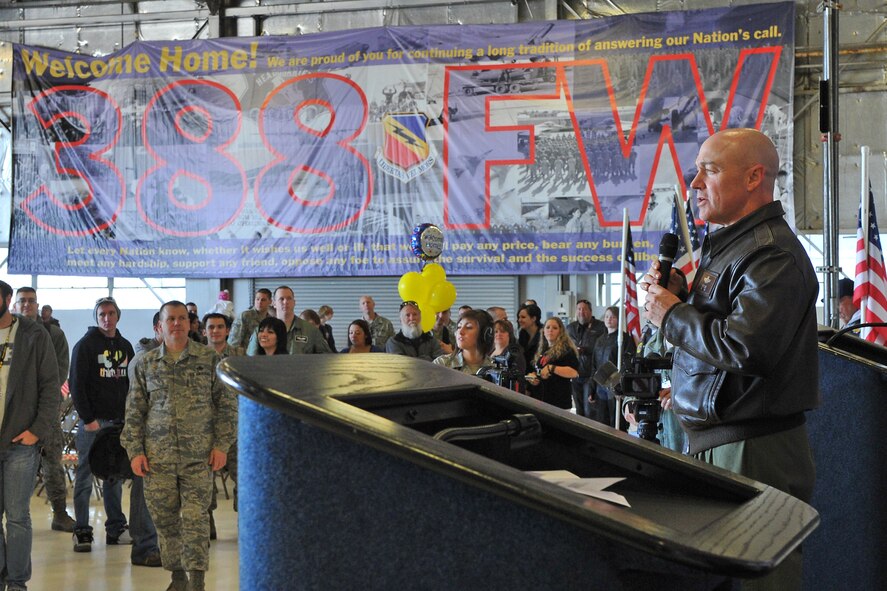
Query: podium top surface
pixel 844 343
pixel 681 509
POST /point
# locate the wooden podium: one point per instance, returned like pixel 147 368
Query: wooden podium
pixel 344 485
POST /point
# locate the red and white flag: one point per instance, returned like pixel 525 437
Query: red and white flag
pixel 870 283
pixel 632 313
pixel 687 260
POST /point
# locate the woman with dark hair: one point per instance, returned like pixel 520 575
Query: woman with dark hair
pixel 272 337
pixel 326 314
pixel 194 332
pixel 474 341
pixel 360 339
pixel 505 344
pixel 529 320
pixel 556 362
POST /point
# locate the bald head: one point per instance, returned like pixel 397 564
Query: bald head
pixel 751 147
pixel 736 175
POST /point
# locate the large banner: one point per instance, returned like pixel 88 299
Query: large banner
pixel 295 156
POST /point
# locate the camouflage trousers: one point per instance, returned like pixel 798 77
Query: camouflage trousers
pixel 53 471
pixel 178 497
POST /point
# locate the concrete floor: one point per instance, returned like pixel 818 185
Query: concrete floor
pixel 56 567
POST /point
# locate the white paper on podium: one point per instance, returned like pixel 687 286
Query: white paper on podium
pixel 592 487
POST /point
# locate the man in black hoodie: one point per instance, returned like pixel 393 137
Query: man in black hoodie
pixel 99 383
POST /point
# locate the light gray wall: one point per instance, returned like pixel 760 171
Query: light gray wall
pixel 133 325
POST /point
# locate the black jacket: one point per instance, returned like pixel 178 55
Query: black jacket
pixel 746 359
pixel 99 377
pixel 32 390
pixel 584 338
pixel 530 346
pixel 606 348
pixel 424 347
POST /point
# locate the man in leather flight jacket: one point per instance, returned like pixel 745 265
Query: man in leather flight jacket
pixel 745 362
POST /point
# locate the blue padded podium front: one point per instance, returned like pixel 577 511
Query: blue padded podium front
pixel 336 500
pixel 320 512
pixel 847 434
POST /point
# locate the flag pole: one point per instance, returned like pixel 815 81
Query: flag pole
pixel 620 338
pixel 864 224
pixel 622 319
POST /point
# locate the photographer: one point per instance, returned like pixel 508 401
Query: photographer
pixel 556 362
pixel 505 347
pixel 602 408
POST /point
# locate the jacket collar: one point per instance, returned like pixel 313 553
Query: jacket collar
pixel 723 237
pixel 188 350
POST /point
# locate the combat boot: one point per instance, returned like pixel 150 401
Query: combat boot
pixel 195 582
pixel 179 581
pixel 61 521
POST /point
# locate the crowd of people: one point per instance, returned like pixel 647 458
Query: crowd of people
pixel 165 385
pixel 146 395
pixel 745 371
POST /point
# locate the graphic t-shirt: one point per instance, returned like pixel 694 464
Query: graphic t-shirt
pixel 7 338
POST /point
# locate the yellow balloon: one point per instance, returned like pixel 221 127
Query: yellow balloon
pixel 412 286
pixel 428 315
pixel 433 273
pixel 443 295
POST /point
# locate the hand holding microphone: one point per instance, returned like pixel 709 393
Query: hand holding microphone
pixel 660 270
pixel 655 282
pixel 668 250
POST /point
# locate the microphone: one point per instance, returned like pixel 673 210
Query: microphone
pixel 668 250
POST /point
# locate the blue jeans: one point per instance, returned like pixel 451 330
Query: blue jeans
pixel 141 526
pixel 111 492
pixel 18 473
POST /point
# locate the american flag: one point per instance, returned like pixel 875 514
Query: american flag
pixel 632 314
pixel 684 261
pixel 870 284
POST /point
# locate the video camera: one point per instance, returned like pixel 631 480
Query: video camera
pixel 640 383
pixel 504 372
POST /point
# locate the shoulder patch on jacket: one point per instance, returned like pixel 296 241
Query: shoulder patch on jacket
pixel 705 283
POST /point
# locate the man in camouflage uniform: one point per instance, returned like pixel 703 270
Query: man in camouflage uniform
pixel 302 337
pixel 249 320
pixel 216 329
pixel 380 327
pixel 180 422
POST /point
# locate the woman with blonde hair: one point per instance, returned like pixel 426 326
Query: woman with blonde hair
pixel 556 362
